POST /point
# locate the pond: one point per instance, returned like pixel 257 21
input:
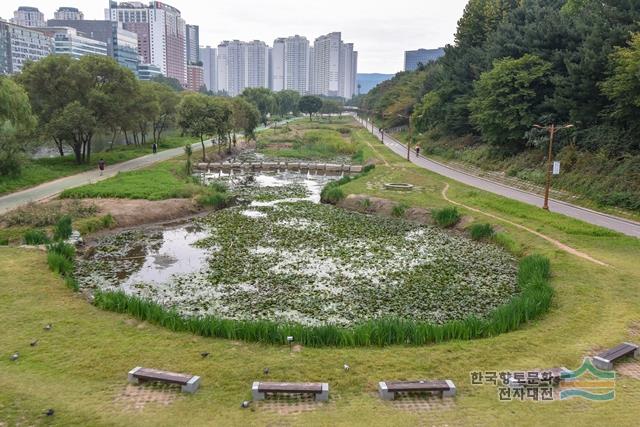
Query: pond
pixel 282 256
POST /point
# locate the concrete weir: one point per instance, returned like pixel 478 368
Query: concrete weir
pixel 279 166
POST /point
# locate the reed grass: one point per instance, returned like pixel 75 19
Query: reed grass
pixel 63 228
pixel 481 231
pixel 35 237
pixel 532 302
pixel 446 217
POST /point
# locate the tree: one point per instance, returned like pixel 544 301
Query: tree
pixel 196 117
pixel 263 99
pixel 77 124
pixel 330 106
pixel 287 102
pixel 509 99
pixel 16 122
pixel 310 105
pixel 622 86
pixel 170 82
pixel 245 118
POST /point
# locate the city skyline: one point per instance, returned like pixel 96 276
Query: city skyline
pixel 374 31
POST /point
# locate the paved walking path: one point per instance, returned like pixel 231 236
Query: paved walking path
pixel 625 226
pixel 50 189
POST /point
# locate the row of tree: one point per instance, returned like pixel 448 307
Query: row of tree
pixel 517 63
pixel 74 100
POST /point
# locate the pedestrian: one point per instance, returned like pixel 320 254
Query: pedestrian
pixel 154 147
pixel 417 151
pixel 101 166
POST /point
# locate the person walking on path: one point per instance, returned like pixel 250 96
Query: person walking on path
pixel 417 151
pixel 154 147
pixel 101 166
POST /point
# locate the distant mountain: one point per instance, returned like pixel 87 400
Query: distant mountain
pixel 369 81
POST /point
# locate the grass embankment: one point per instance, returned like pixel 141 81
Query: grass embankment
pixel 316 140
pixel 38 171
pixel 594 307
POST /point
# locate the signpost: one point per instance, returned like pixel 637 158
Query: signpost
pixel 556 168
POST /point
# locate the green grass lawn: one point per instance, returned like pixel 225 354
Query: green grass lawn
pixel 166 180
pixel 38 171
pixel 79 368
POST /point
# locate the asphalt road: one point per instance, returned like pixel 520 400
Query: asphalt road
pixel 628 227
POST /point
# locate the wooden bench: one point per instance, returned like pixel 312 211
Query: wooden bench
pixel 189 383
pixel 605 359
pixel 388 389
pixel 319 390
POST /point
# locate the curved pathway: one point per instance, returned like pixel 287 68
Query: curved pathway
pixel 625 226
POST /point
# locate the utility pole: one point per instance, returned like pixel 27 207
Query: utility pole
pixel 410 137
pixel 552 132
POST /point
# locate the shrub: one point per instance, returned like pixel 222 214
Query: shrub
pixel 62 248
pixel 35 237
pixel 92 225
pixel 108 221
pixel 218 187
pixel 4 242
pixel 63 228
pixel 481 231
pixel 399 210
pixel 368 168
pixel 331 194
pixel 447 217
pixel 215 200
pixel 59 263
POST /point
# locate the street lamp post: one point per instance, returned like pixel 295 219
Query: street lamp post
pixel 552 132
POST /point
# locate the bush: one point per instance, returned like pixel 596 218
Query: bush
pixel 399 210
pixel 447 217
pixel 218 187
pixel 4 242
pixel 533 301
pixel 92 225
pixel 63 228
pixel 216 200
pixel 331 194
pixel 35 237
pixel 368 168
pixel 481 231
pixel 62 248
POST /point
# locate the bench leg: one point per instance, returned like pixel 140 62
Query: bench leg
pixel 324 396
pixel 603 364
pixel 452 390
pixel 192 385
pixel 636 353
pixel 385 394
pixel 130 376
pixel 255 394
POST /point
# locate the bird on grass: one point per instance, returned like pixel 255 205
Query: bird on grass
pixel 204 354
pixel 245 404
pixel 34 343
pixel 49 412
pixel 14 356
pixel 48 327
pixel 265 371
pixel 346 367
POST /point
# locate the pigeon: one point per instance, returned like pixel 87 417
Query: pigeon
pixel 265 371
pixel 346 367
pixel 245 404
pixel 48 327
pixel 34 343
pixel 14 356
pixel 204 354
pixel 49 412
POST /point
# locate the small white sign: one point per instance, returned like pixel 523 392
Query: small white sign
pixel 556 168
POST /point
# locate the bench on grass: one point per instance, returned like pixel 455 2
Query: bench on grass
pixel 189 383
pixel 388 389
pixel 605 359
pixel 319 390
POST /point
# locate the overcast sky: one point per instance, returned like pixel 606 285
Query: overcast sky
pixel 381 32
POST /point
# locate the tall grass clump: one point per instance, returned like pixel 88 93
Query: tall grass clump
pixel 446 217
pixel 481 231
pixel 61 260
pixel 368 168
pixel 534 300
pixel 399 210
pixel 63 228
pixel 35 237
pixel 215 200
pixel 4 242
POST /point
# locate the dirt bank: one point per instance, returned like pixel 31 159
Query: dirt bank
pixel 384 207
pixel 129 213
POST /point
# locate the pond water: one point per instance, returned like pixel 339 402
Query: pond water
pixel 282 256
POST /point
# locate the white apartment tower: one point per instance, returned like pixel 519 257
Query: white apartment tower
pixel 209 58
pixel 278 65
pixel 28 16
pixel 68 14
pixel 297 64
pixel 334 66
pixel 161 34
pixel 232 67
pixel 257 60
